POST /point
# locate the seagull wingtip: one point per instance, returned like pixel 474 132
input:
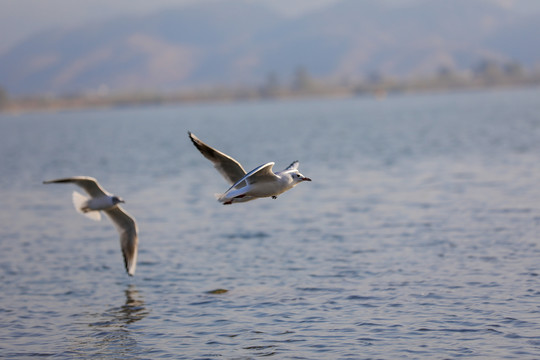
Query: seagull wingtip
pixel 194 139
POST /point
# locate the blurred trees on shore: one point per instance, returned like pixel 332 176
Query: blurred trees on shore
pixel 300 83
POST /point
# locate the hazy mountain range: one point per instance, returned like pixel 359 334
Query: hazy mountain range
pixel 238 43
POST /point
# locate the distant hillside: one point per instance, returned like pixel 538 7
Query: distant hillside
pixel 240 43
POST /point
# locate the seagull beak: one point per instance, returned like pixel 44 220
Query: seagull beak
pixel 306 179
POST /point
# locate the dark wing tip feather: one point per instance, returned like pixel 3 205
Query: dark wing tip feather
pixel 60 181
pixel 71 180
pixel 293 165
pixel 207 151
pixel 127 265
pixel 129 251
pixel 193 137
pixel 228 167
pixel 196 141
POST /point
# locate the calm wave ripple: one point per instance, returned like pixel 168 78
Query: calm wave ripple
pixel 418 237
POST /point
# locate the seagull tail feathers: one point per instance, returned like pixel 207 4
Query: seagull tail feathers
pixel 227 199
pixel 79 202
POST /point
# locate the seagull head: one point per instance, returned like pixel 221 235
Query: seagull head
pixel 297 177
pixel 116 200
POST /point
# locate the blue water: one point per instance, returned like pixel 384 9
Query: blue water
pixel 417 238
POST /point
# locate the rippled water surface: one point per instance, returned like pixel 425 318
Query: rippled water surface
pixel 417 238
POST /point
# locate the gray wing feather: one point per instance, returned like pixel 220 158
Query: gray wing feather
pixel 293 166
pixel 89 184
pixel 228 167
pixel 260 173
pixel 129 240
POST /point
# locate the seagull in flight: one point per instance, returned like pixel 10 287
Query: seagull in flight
pixel 101 200
pixel 258 183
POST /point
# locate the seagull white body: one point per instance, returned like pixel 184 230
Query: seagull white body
pixel 258 183
pixel 101 200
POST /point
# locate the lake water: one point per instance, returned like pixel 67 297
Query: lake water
pixel 417 238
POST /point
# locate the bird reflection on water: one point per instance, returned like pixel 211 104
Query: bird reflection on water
pixel 133 310
pixel 112 336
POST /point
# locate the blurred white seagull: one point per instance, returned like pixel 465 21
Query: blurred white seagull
pixel 258 183
pixel 101 200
